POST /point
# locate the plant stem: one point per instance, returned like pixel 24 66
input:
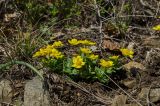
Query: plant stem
pixel 22 63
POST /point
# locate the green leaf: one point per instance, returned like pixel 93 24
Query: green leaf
pixel 69 63
pixel 67 66
pixel 100 75
pixel 74 72
pixel 94 62
pixel 98 72
pixel 109 71
pixel 67 71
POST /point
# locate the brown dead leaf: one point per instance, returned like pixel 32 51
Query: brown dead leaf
pixel 130 83
pixel 108 44
pixel 133 64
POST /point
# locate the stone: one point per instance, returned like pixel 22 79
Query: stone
pixel 35 94
pixel 5 91
pixel 153 94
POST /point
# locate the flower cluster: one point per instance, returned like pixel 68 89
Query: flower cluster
pixel 85 63
pixel 50 51
pixel 78 61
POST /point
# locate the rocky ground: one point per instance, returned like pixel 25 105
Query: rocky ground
pixel 138 83
pixel 137 86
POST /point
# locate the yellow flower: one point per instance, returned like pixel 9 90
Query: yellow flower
pixel 91 43
pixel 49 47
pixel 78 62
pixel 93 57
pixel 87 42
pixel 73 42
pixel 85 50
pixel 49 51
pixel 57 44
pixel 37 54
pixel 127 52
pixel 42 52
pixel 114 57
pixel 56 54
pixel 105 63
pixel 157 28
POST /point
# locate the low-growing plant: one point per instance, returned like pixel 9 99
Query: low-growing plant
pixel 33 10
pixel 84 64
pixel 24 45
